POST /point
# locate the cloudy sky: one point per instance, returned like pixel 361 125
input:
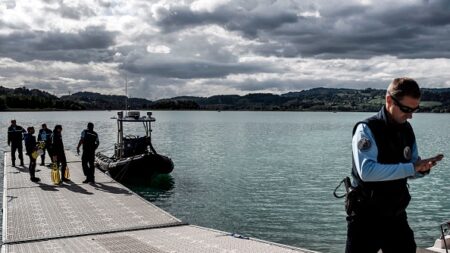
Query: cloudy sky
pixel 208 47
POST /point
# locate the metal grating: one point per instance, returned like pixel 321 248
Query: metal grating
pixel 183 239
pixel 48 212
pixel 124 244
pixel 42 210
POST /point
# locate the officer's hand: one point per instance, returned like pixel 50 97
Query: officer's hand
pixel 9 143
pixel 425 165
pixel 78 151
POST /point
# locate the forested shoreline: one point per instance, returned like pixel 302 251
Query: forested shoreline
pixel 317 99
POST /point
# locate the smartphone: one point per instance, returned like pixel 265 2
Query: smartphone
pixel 437 158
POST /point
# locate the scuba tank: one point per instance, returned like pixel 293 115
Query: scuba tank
pixel 40 150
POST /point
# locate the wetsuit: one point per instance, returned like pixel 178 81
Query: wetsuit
pixel 57 149
pixel 30 146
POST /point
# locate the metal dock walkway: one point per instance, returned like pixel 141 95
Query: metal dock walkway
pixel 105 217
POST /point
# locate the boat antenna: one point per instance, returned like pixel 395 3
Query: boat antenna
pixel 126 93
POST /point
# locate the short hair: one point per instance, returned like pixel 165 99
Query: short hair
pixel 13 121
pixel 44 125
pixel 90 126
pixel 57 127
pixel 404 86
pixel 30 128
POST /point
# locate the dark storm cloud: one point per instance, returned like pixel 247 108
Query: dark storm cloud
pixel 343 30
pixel 75 12
pixel 234 19
pixel 406 32
pixel 91 37
pixel 190 69
pixel 104 3
pixel 70 12
pixel 88 45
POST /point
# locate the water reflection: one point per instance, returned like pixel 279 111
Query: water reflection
pixel 159 187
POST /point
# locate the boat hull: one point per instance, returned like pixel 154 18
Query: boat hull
pixel 134 169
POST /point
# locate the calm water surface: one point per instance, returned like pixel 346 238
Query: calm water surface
pixel 268 175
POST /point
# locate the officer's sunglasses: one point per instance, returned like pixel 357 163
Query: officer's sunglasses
pixel 404 108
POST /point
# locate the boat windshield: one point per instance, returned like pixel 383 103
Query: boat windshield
pixel 133 130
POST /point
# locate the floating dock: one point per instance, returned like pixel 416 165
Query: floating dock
pixel 101 217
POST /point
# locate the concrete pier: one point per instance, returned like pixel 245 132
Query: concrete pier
pixel 103 217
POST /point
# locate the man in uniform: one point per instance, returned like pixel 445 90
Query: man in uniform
pixel 385 155
pixel 45 135
pixel 15 137
pixel 89 140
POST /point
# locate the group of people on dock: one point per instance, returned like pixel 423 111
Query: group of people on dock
pixel 52 142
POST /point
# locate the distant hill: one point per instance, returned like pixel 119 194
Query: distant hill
pixel 25 99
pixel 317 99
pixel 97 101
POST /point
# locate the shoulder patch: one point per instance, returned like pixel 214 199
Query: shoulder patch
pixel 407 153
pixel 364 144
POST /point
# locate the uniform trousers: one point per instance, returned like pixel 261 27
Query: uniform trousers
pixel 16 147
pixel 368 234
pixel 87 162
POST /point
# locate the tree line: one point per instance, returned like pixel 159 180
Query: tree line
pixel 317 99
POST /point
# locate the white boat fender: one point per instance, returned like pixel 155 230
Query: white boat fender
pixel 443 243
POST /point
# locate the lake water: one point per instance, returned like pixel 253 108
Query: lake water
pixel 268 175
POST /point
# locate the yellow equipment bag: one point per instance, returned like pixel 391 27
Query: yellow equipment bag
pixel 56 179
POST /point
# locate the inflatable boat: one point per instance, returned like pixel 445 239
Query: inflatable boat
pixel 135 160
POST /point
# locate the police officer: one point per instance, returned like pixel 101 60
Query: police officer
pixel 89 140
pixel 57 151
pixel 30 146
pixel 45 135
pixel 15 137
pixel 384 156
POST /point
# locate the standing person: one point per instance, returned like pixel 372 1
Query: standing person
pixel 385 155
pixel 30 147
pixel 90 142
pixel 15 137
pixel 45 135
pixel 57 151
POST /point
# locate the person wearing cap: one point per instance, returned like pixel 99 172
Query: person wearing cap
pixel 45 135
pixel 15 137
pixel 89 140
pixel 385 156
pixel 30 147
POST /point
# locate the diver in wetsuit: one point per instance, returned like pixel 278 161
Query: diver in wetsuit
pixel 57 151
